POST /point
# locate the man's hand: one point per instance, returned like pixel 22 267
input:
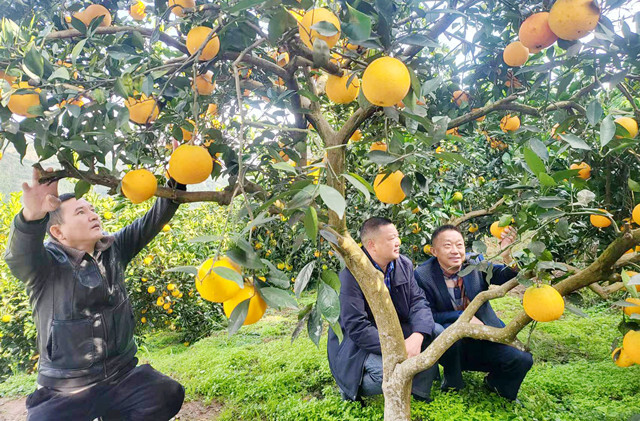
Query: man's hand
pixel 508 237
pixel 413 344
pixel 476 321
pixel 39 199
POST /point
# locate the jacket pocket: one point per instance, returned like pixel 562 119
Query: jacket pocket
pixel 71 344
pixel 123 326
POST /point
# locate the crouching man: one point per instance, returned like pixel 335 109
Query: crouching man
pixel 449 294
pixel 356 362
pixel 87 367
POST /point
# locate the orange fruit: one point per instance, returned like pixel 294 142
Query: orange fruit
pixel 600 221
pixel 213 287
pixel 543 303
pixel 535 33
pixel 386 81
pixel 473 228
pixel 196 37
pixel 629 124
pixel 139 185
pixel 341 90
pixel 312 17
pixel 585 170
pixel 515 54
pixel 631 345
pixel 212 109
pixel 257 305
pixel 635 215
pixel 180 5
pixel 357 135
pixel 621 358
pixel 631 310
pixel 573 19
pixel 137 10
pixel 497 230
pixel 510 124
pixel 143 110
pixel 190 164
pixel 460 97
pixel 389 190
pixel 204 84
pixel 20 103
pixel 378 146
pixel 92 12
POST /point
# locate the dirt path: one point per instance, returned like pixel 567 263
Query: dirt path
pixel 14 410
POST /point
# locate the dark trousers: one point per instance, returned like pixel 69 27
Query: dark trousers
pixel 507 366
pixel 372 376
pixel 141 394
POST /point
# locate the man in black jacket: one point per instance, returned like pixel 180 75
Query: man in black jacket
pixel 356 362
pixel 449 294
pixel 87 366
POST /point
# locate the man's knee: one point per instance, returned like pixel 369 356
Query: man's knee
pixel 520 361
pixel 172 394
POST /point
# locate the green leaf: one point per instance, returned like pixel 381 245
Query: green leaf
pixel 311 223
pixel 479 247
pixel 546 180
pixel 328 303
pixel 381 157
pixel 331 278
pixel 594 112
pixel 243 5
pixel 537 247
pixel 359 26
pixel 534 162
pixel 337 330
pixel 562 228
pixel 539 148
pixel 279 23
pixel 314 325
pixel 184 269
pixel 454 158
pixel 78 25
pixel 238 315
pixel 325 28
pixel 245 258
pixel 575 310
pixel 575 142
pixel 34 62
pixel 333 199
pixel 547 202
pixel 633 185
pixel 607 130
pixel 283 166
pixel 418 40
pixel 81 188
pixel 229 274
pixel 77 49
pixel 278 298
pixel 59 73
pixel 360 185
pixel 79 145
pixel 303 278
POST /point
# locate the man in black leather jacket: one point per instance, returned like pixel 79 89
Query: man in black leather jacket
pixel 87 366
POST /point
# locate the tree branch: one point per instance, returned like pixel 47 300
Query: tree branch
pixel 354 121
pixel 477 213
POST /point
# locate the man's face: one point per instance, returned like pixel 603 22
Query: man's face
pixel 386 243
pixel 449 250
pixel 81 224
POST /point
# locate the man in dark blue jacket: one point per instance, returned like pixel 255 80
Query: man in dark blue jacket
pixel 356 362
pixel 449 294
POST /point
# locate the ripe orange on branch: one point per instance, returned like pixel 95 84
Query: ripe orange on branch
pixel 204 84
pixel 573 19
pixel 629 310
pixel 386 81
pixel 515 54
pixel 92 12
pixel 585 170
pixel 180 5
pixel 535 33
pixel 139 185
pixel 543 303
pixel 190 164
pixel 599 221
pixel 137 10
pixel 509 123
pixel 460 97
pixel 631 345
pixel 312 17
pixel 629 124
pixel 496 230
pixel 213 287
pixel 19 103
pixel 197 36
pixel 143 110
pixel 388 190
pixel 257 305
pixel 342 89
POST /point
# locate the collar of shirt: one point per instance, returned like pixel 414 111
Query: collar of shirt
pixel 388 274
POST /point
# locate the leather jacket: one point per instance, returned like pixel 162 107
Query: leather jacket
pixel 80 304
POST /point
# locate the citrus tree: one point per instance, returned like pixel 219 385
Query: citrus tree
pixel 317 115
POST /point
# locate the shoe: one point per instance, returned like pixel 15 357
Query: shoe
pixel 421 398
pixel 451 387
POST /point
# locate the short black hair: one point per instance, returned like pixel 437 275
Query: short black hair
pixel 55 217
pixel 371 225
pixel 443 228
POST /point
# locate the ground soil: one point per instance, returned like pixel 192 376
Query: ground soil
pixel 13 409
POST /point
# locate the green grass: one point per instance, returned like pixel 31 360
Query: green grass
pixel 258 374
